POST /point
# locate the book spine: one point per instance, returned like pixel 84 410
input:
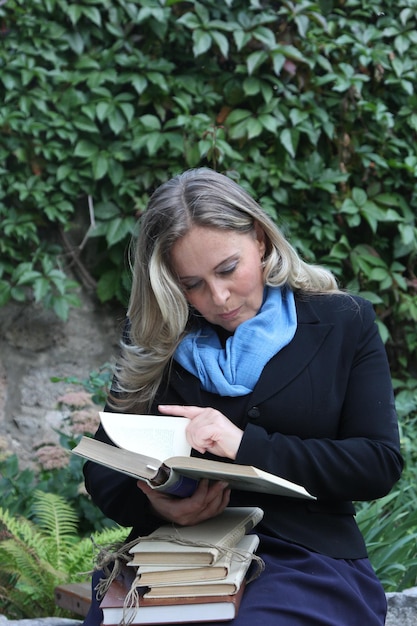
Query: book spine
pixel 177 485
pixel 235 535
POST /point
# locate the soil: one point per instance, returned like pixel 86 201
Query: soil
pixel 36 346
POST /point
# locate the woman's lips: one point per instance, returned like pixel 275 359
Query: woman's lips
pixel 230 314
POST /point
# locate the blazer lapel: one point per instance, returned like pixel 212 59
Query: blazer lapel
pixel 291 360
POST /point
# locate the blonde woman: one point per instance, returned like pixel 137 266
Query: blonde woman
pixel 276 368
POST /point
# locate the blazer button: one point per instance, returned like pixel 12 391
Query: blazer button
pixel 254 413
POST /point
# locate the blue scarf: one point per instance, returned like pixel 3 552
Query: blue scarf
pixel 233 370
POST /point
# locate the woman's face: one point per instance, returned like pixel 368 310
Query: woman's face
pixel 221 273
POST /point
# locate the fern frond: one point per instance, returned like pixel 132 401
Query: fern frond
pixel 16 526
pixel 54 515
pixel 34 553
pixel 39 554
pixel 82 558
pixel 59 523
pixel 34 577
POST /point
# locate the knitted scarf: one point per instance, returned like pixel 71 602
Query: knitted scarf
pixel 233 370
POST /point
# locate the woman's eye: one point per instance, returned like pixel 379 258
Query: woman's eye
pixel 191 286
pixel 229 270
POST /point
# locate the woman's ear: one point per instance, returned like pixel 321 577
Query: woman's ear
pixel 261 239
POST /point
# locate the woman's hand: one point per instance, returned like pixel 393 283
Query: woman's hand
pixel 207 501
pixel 209 430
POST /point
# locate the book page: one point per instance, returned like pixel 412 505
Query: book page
pixel 159 436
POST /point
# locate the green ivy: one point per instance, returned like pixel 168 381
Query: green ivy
pixel 311 105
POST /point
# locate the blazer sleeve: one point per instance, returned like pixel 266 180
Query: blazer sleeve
pixel 362 461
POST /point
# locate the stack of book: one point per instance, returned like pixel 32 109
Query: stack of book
pixel 196 575
pixel 186 573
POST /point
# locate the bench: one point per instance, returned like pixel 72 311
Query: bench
pixel 75 597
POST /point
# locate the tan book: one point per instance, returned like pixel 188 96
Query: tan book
pixel 200 544
pixel 176 475
pixel 229 585
pixel 165 575
pixel 168 610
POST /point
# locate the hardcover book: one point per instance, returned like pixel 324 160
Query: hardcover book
pixel 227 586
pixel 167 610
pixel 200 544
pixel 176 475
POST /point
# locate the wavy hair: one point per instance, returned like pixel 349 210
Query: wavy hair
pixel 158 311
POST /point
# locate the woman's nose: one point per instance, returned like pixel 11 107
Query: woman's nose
pixel 219 293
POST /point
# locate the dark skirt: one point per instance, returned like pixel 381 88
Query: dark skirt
pixel 303 588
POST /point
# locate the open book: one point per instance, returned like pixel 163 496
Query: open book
pixel 172 470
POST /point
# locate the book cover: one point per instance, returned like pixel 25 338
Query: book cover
pixel 200 544
pixel 177 475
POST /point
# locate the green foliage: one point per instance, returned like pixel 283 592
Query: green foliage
pixel 311 105
pixel 97 384
pixel 39 553
pixel 18 486
pixel 389 525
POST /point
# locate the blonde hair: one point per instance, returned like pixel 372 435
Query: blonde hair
pixel 158 311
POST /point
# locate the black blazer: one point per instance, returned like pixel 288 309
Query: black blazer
pixel 322 414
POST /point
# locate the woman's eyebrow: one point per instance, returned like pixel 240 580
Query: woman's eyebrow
pixel 232 257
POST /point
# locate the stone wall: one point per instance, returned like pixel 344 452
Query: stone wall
pixel 36 346
pixel 402 608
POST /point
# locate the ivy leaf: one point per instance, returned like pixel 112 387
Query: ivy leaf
pixel 85 148
pixel 28 277
pixel 128 110
pixel 118 229
pixel 202 42
pixel 139 83
pixel 287 139
pixel 100 166
pixel 102 110
pixel 255 60
pixel 222 42
pixel 251 86
pixel 40 288
pixel 116 121
pixel 63 172
pixel 106 286
pixel 61 307
pixel 5 292
pixel 254 128
pixel 74 12
pixel 93 14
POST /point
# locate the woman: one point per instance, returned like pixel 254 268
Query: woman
pixel 276 368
